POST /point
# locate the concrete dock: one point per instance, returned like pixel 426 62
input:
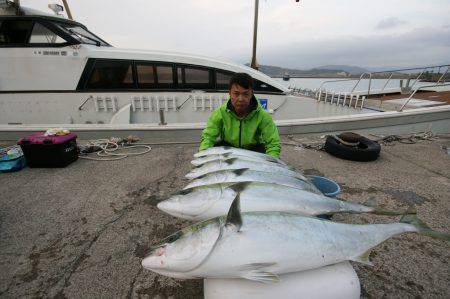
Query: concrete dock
pixel 81 231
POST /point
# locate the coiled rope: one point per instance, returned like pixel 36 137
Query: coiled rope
pixel 111 149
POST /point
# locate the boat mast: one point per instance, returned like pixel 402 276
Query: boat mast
pixel 66 7
pixel 254 64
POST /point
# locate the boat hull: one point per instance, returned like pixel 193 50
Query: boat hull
pixel 436 119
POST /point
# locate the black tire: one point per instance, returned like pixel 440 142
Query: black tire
pixel 367 150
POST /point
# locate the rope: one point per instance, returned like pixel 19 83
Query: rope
pixel 111 149
pixel 407 139
pixel 384 140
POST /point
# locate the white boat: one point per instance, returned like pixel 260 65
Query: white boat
pixel 55 73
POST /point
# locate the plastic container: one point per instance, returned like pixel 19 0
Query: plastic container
pixel 325 185
pixel 49 151
pixel 334 281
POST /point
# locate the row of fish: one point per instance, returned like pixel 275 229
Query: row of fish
pixel 256 223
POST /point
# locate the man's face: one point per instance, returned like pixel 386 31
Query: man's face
pixel 240 98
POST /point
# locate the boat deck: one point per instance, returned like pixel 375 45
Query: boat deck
pixel 393 102
pixel 81 231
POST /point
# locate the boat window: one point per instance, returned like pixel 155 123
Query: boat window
pixel 145 75
pixel 81 34
pixel 111 74
pixel 164 75
pixel 260 86
pixel 194 77
pixel 223 80
pixel 15 32
pixel 43 35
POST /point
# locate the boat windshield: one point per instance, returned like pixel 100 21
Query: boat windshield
pixel 81 34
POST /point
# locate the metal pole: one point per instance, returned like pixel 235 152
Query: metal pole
pixel 254 64
pixel 66 7
pixel 162 120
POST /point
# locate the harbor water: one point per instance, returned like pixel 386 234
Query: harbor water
pixel 345 86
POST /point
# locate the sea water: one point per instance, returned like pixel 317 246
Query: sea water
pixel 346 86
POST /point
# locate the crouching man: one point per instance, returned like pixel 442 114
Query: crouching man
pixel 241 122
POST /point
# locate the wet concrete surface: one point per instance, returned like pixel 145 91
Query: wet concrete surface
pixel 81 231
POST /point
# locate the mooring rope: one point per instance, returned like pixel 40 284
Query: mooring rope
pixel 111 149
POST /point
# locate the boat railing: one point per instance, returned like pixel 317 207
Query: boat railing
pixel 417 89
pixel 324 94
pixel 342 98
pixel 390 73
pixel 418 70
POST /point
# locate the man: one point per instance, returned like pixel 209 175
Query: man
pixel 241 121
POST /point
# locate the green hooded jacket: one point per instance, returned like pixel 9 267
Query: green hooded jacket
pixel 256 128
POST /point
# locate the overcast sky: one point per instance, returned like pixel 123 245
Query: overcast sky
pixel 366 33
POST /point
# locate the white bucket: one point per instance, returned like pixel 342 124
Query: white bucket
pixel 334 281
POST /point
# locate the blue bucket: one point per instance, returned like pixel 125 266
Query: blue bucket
pixel 326 186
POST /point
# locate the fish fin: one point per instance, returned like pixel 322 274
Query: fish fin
pixel 254 272
pixel 234 214
pixel 240 171
pixel 261 276
pixel 255 266
pixel 230 161
pixel 238 187
pixel 363 258
pixel 422 228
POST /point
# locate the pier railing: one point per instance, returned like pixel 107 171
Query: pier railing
pixel 355 98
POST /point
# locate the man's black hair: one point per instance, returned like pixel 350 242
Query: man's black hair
pixel 241 79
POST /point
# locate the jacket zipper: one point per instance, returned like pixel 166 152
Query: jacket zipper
pixel 240 131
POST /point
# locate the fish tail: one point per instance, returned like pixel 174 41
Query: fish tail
pixel 423 228
pixel 386 212
pixel 371 202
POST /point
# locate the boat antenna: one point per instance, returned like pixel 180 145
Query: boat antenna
pixel 66 7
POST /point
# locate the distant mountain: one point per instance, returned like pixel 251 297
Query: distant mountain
pixel 276 71
pixel 343 68
pixel 327 71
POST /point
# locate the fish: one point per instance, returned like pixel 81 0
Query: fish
pixel 210 158
pixel 220 150
pixel 247 175
pixel 260 246
pixel 236 163
pixel 201 203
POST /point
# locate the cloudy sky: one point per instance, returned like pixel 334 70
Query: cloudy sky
pixel 366 33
